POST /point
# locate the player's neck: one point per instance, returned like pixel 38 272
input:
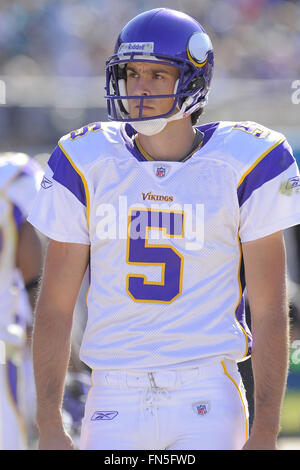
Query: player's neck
pixel 172 143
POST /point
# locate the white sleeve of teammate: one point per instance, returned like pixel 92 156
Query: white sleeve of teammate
pixel 60 208
pixel 25 187
pixel 269 195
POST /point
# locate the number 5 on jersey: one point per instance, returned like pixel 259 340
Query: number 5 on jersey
pixel 140 252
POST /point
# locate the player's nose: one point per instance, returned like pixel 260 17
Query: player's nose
pixel 142 87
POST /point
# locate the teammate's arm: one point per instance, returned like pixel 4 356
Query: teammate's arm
pixel 29 257
pixel 265 271
pixel 65 265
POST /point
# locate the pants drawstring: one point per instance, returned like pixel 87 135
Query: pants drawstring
pixel 150 399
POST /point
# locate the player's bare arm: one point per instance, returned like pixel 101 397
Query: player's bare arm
pixel 266 285
pixel 29 257
pixel 64 269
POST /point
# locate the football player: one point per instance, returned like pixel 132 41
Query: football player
pixel 174 219
pixel 20 265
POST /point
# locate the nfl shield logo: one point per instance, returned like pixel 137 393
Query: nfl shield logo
pixel 201 408
pixel 160 171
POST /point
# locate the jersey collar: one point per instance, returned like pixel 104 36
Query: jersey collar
pixel 130 138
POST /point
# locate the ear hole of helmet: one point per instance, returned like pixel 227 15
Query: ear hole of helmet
pixel 118 73
pixel 196 84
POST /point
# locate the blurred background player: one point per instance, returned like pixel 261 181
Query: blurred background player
pixel 20 268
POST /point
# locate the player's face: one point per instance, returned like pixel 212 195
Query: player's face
pixel 146 79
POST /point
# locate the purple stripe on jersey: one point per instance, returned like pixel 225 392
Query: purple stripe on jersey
pixel 208 130
pixel 66 175
pixel 272 165
pixel 12 380
pixel 19 217
pixel 127 133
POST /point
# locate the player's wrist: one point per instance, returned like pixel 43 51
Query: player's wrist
pixel 49 420
pixel 266 428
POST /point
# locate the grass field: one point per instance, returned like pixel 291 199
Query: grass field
pixel 290 418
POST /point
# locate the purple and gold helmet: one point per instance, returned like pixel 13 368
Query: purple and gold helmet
pixel 168 37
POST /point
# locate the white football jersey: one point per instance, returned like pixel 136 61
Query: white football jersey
pixel 166 270
pixel 20 178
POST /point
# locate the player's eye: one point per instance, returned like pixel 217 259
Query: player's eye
pixel 131 74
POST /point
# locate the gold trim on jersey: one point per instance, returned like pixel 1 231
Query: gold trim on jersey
pixel 85 129
pixel 259 132
pixel 87 195
pixel 163 265
pixel 86 295
pixel 192 152
pixel 14 227
pixel 258 160
pixel 141 150
pixel 240 298
pixel 241 397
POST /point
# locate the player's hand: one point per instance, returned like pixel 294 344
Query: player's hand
pixel 59 441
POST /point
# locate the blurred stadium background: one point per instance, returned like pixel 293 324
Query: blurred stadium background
pixel 52 59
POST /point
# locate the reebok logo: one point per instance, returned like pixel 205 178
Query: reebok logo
pixel 104 415
pixel 290 186
pixel 46 183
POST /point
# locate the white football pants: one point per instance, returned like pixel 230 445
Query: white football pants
pixel 186 409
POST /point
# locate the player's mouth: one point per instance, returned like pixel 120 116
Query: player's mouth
pixel 144 107
pixel 146 110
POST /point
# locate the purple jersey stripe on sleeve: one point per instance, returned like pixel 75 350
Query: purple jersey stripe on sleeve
pixel 66 175
pixel 272 165
pixel 19 217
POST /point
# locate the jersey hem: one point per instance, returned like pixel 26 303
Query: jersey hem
pixel 282 225
pixel 54 236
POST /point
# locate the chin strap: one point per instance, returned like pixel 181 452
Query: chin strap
pixel 154 126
